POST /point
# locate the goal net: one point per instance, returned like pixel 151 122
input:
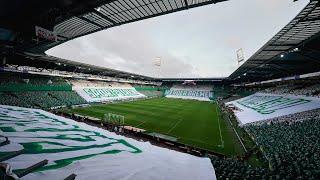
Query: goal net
pixel 114 119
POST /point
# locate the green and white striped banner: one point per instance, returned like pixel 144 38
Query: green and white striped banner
pixel 262 106
pixel 89 152
pixel 99 94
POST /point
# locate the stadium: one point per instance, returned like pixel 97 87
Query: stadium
pixel 64 119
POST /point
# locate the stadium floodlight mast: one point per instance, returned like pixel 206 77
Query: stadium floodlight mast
pixel 157 63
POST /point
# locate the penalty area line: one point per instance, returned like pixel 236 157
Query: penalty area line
pixel 140 124
pixel 175 125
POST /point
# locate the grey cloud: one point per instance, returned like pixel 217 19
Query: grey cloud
pixel 200 42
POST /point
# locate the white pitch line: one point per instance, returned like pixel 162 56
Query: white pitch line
pixel 140 124
pixel 174 126
pixel 222 143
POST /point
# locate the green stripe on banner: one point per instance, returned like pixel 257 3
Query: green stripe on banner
pixel 48 136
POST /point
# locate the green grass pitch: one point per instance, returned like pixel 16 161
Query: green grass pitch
pixel 193 122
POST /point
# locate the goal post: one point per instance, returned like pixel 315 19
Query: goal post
pixel 114 119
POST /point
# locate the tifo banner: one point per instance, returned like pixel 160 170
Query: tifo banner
pixel 202 95
pixel 89 152
pixel 99 94
pixel 262 106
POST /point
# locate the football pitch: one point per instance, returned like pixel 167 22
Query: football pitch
pixel 192 122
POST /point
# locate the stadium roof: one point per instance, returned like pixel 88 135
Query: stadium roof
pixel 70 19
pixel 43 62
pixel 54 63
pixel 293 51
pixel 193 79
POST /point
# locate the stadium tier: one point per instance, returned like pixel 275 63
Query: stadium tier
pixel 95 83
pixel 234 169
pixel 41 99
pixel 103 91
pixel 15 82
pixel 202 93
pixel 151 91
pixel 291 144
pixel 34 91
pixel 94 94
pixel 305 89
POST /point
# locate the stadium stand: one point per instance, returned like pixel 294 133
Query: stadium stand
pixel 8 78
pixel 310 89
pixel 151 91
pixel 28 82
pixel 41 99
pixel 228 168
pixel 34 91
pixel 86 83
pixel 197 92
pixel 99 91
pixel 291 144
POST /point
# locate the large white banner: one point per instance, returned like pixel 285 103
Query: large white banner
pixel 89 152
pixel 100 94
pixel 201 95
pixel 262 106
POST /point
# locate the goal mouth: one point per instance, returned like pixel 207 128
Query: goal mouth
pixel 114 119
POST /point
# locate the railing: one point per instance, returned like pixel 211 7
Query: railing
pixel 31 87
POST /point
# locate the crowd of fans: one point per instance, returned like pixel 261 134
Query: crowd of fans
pixel 41 99
pixel 86 83
pixel 150 93
pixel 291 144
pixel 304 89
pixel 42 94
pixel 234 169
pixel 29 79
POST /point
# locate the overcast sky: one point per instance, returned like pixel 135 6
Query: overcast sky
pixel 199 42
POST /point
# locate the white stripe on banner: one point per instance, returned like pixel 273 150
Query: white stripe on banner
pixel 89 152
pixel 100 94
